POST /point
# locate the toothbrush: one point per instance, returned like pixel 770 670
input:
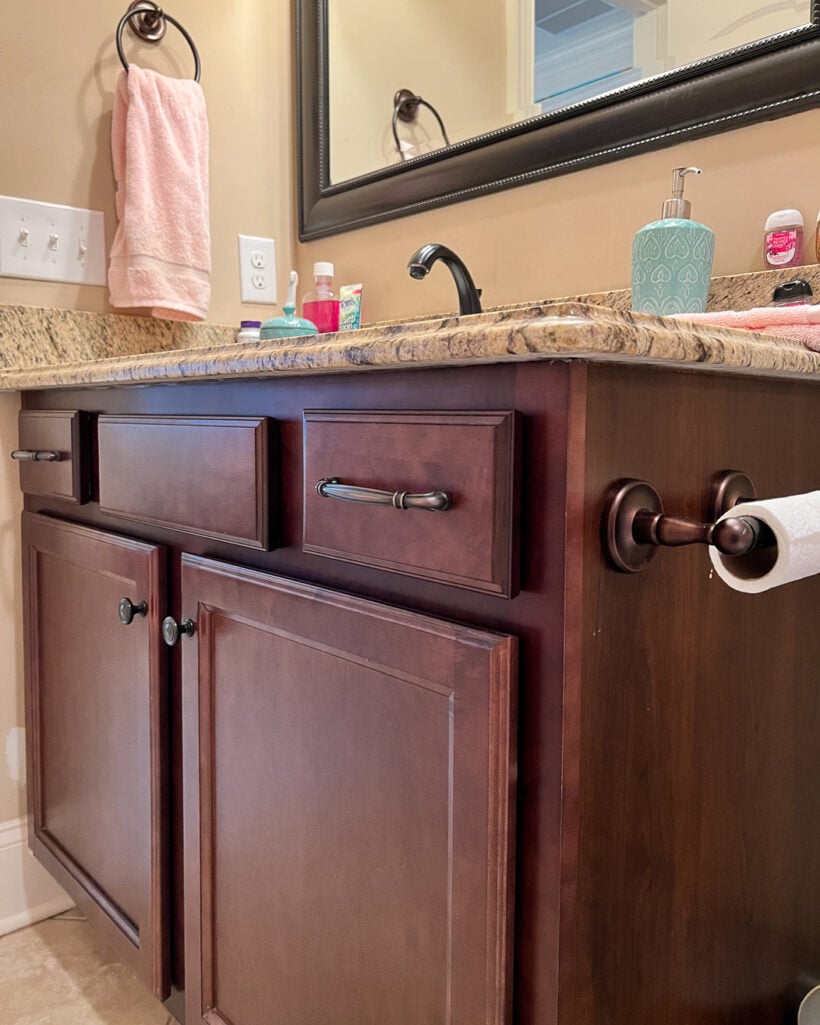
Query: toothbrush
pixel 290 302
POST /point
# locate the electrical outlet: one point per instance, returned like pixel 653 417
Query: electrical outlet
pixel 257 270
pixel 47 242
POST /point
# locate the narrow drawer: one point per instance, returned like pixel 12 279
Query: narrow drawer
pixel 203 475
pixel 447 511
pixel 53 454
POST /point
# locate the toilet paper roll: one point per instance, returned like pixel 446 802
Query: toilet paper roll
pixel 795 523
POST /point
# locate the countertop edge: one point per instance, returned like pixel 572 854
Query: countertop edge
pixel 564 331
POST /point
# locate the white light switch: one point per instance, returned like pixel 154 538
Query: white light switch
pixel 51 243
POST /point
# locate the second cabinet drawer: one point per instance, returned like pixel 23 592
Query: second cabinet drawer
pixel 204 475
pixel 468 457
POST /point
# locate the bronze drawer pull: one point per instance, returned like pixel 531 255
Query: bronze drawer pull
pixel 433 501
pixel 27 455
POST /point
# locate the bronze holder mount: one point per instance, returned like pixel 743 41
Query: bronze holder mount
pixel 635 525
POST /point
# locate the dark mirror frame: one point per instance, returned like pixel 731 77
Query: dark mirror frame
pixel 758 82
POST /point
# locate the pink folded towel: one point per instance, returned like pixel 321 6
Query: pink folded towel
pixel 161 254
pixel 797 324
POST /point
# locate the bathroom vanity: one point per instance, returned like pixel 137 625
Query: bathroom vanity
pixel 418 754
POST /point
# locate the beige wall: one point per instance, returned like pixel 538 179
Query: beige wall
pixel 58 71
pixel 700 28
pixel 452 54
pixel 574 234
pixel 12 802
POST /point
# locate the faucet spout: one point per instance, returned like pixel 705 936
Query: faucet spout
pixel 420 263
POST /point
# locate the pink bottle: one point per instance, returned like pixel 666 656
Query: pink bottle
pixel 783 239
pixel 321 306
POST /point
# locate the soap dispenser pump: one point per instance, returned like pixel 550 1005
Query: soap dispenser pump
pixel 672 258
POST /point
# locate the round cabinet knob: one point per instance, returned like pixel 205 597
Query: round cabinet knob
pixel 172 630
pixel 127 610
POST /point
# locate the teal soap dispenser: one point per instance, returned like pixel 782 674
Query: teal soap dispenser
pixel 672 258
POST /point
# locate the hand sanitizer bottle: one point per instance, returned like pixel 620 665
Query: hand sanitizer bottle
pixel 672 258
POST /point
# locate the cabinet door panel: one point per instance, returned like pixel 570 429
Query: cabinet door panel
pixel 96 720
pixel 349 808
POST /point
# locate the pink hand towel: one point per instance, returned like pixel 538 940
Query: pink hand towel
pixel 161 254
pixel 796 324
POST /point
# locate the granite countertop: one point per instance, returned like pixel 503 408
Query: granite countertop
pixel 556 331
pixel 47 348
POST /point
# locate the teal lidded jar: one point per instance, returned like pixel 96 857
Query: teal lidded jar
pixel 672 258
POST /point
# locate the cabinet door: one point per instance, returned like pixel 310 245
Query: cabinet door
pixel 96 717
pixel 349 774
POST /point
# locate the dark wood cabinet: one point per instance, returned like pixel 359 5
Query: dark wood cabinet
pixel 97 728
pixel 356 762
pixel 407 780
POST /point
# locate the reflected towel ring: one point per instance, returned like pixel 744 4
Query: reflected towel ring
pixel 406 108
pixel 151 29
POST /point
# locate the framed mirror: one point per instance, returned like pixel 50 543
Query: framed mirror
pixel 402 107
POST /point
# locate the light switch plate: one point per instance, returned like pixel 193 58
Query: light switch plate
pixel 47 242
pixel 257 270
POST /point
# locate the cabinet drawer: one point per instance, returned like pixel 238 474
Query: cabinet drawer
pixel 469 457
pixel 53 454
pixel 203 475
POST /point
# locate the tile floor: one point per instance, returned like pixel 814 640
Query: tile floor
pixel 54 973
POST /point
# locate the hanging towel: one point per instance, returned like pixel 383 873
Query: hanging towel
pixel 161 254
pixel 799 325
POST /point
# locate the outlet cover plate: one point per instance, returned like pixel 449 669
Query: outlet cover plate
pixel 48 242
pixel 257 270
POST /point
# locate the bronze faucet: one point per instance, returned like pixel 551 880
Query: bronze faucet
pixel 469 297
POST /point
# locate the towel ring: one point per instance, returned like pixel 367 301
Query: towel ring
pixel 406 108
pixel 152 29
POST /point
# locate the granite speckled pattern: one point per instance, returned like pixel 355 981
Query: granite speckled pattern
pixel 46 348
pixel 553 332
pixel 40 337
pixel 746 291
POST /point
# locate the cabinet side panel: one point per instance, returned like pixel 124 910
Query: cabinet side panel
pixel 698 895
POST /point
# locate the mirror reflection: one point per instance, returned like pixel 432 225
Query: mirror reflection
pixel 478 67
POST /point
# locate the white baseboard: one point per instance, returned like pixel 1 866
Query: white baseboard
pixel 27 892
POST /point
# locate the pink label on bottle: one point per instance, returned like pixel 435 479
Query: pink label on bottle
pixel 324 314
pixel 781 248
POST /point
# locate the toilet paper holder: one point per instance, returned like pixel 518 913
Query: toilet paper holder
pixel 635 526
